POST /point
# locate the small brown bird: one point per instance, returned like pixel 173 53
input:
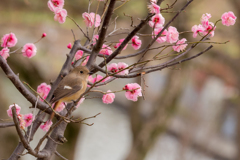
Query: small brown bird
pixel 71 87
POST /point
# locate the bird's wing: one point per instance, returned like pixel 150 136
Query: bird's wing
pixel 65 90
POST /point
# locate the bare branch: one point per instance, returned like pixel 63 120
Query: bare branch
pixel 7 124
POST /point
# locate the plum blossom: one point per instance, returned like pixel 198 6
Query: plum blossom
pixel 22 122
pixel 205 19
pixel 78 55
pixel 46 125
pixel 136 42
pixel 197 29
pixel 228 18
pixel 54 4
pixel 154 8
pixel 80 102
pixel 60 107
pixel 89 19
pixel 121 66
pixel 60 15
pixel 118 44
pixel 9 111
pixel 106 50
pixel 85 61
pixel 172 35
pixel 43 89
pixel 69 46
pixel 182 47
pixel 29 50
pixel 95 38
pixel 210 29
pixel 133 91
pixel 113 67
pixel 157 20
pixel 28 118
pixel 4 53
pixel 108 98
pixel 163 37
pixel 9 40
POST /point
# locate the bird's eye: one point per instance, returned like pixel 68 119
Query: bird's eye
pixel 81 72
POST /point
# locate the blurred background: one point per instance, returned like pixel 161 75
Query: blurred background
pixel 189 111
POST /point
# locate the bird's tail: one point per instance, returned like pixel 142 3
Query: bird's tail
pixel 55 107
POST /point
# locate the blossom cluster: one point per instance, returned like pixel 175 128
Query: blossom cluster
pixel 24 120
pixel 57 7
pixel 114 68
pixel 10 40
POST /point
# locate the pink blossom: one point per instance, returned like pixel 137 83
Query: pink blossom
pixel 118 44
pixel 210 28
pixel 108 98
pixel 9 111
pixel 22 122
pixel 163 36
pixel 158 20
pixel 205 19
pixel 60 15
pixel 9 40
pixel 154 8
pixel 228 18
pixel 98 78
pixel 85 61
pixel 95 38
pixel 60 107
pixel 112 67
pixel 136 42
pixel 89 19
pixel 28 118
pixel 80 102
pixel 4 53
pixel 69 46
pixel 154 1
pixel 122 66
pixel 29 50
pixel 54 4
pixel 43 89
pixel 46 126
pixel 172 35
pixel 133 91
pixel 179 48
pixel 91 79
pixel 44 35
pixel 78 55
pixel 106 50
pixel 197 29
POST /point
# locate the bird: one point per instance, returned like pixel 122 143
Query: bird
pixel 70 88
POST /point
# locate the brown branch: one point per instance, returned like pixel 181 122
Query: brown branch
pixel 7 124
pixel 23 139
pixel 102 35
pixel 20 86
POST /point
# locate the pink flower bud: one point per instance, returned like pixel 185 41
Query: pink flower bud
pixel 44 35
pixel 69 46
